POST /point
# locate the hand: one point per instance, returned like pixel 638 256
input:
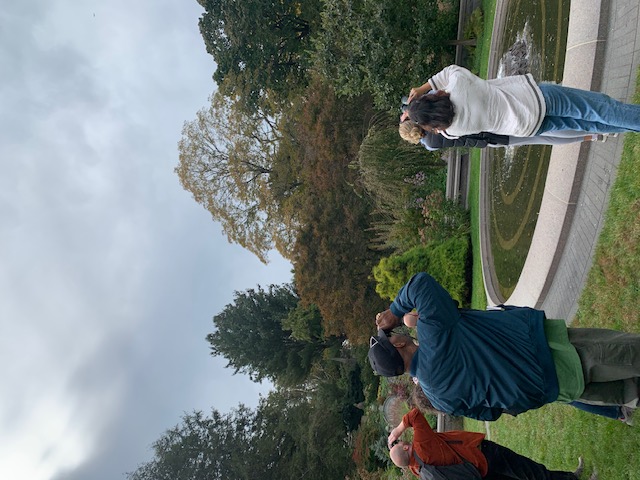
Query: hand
pixel 404 116
pixel 419 91
pixel 387 320
pixel 410 319
pixel 393 436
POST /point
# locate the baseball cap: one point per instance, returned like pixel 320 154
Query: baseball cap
pixel 384 357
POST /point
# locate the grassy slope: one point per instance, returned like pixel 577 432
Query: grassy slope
pixel 610 298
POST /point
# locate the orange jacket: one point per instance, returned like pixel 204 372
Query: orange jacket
pixel 443 448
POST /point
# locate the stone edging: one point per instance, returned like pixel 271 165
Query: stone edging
pixel 585 47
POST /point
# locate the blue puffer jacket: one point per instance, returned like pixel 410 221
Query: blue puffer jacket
pixel 476 363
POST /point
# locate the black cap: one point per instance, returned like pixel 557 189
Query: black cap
pixel 384 357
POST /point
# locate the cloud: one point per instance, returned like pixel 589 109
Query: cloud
pixel 110 272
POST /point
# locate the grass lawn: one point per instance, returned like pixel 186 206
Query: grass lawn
pixel 610 298
pixel 557 434
pixel 478 297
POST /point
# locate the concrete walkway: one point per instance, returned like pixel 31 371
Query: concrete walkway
pixel 603 54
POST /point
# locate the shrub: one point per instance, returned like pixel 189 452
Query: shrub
pixel 442 218
pixel 384 46
pixel 397 176
pixel 446 261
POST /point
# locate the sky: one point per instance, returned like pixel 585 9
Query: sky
pixel 110 273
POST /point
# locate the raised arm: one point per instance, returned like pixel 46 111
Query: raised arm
pixel 419 91
pixel 395 433
pixel 424 294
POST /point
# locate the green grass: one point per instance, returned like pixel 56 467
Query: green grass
pixel 556 435
pixel 610 297
pixel 489 10
pixel 478 297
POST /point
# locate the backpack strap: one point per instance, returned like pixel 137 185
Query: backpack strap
pixel 418 459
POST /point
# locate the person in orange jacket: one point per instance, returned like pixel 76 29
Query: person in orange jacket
pixel 490 459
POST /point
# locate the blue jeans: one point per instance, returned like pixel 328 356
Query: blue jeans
pixel 594 112
pixel 609 411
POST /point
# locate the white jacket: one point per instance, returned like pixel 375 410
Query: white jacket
pixel 507 106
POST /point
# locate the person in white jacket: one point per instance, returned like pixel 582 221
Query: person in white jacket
pixel 465 104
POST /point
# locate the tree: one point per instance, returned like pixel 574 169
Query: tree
pixel 305 323
pixel 202 448
pixel 384 46
pixel 226 161
pixel 250 335
pixel 261 45
pixel 287 437
pixel 332 261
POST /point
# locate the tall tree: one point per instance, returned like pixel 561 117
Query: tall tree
pixel 226 160
pixel 250 335
pixel 332 261
pixel 202 448
pixel 261 45
pixel 275 441
pixel 384 46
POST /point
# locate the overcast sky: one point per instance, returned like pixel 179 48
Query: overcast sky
pixel 110 273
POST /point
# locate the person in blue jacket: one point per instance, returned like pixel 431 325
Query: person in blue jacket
pixel 481 364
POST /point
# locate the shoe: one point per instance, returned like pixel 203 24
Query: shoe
pixel 594 475
pixel 597 137
pixel 580 469
pixel 627 415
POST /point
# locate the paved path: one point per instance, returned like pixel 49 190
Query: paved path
pixel 603 54
pixel 615 65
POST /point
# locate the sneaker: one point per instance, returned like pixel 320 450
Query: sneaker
pixel 594 475
pixel 596 137
pixel 580 469
pixel 627 415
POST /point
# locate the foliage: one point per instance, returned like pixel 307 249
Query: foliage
pixel 372 429
pixel 286 437
pixel 201 448
pixel 332 261
pixel 305 323
pixel 447 262
pixel 260 47
pixel 474 29
pixel 389 166
pixel 475 24
pixel 383 47
pixel 370 381
pixel 397 176
pixel 227 161
pixel 442 218
pixel 251 336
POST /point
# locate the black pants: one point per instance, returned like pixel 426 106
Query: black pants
pixel 507 464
